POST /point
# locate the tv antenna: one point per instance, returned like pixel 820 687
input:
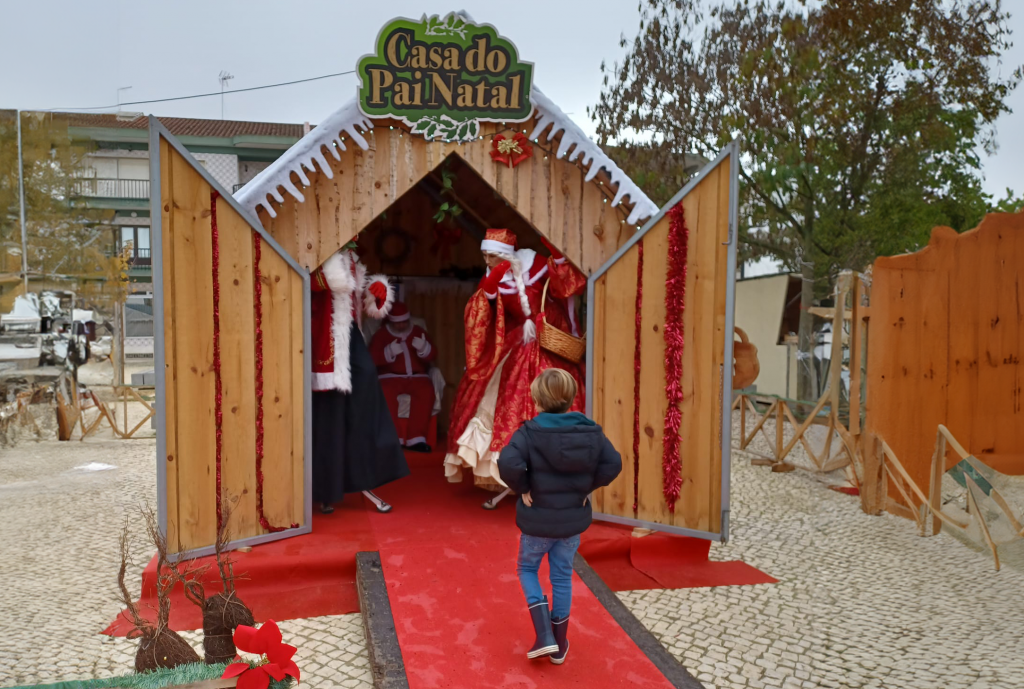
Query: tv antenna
pixel 223 78
pixel 123 88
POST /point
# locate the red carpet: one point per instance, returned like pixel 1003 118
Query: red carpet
pixel 660 561
pixel 445 558
pixel 459 612
pixel 304 576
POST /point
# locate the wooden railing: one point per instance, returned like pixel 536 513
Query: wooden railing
pixel 922 504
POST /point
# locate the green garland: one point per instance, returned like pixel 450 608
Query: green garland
pixel 158 679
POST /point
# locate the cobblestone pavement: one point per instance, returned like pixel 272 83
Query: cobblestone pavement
pixel 58 565
pixel 861 601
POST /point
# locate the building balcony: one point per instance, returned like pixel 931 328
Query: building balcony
pixel 96 187
pixel 142 259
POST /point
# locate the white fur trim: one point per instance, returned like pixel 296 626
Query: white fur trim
pixel 491 246
pixel 323 381
pixel 399 319
pixel 338 272
pixel 370 301
pixel 341 325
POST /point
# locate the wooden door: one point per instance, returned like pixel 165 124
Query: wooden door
pixel 627 391
pixel 232 341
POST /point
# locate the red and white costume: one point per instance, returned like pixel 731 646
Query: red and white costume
pixel 341 293
pixel 403 365
pixel 503 355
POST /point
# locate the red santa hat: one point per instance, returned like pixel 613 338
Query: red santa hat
pixel 399 312
pixel 499 242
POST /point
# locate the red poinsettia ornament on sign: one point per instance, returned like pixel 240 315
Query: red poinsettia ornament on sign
pixel 512 151
pixel 275 657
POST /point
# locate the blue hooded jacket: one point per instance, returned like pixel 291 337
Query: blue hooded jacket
pixel 559 459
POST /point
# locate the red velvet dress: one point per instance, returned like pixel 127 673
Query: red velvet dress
pixel 493 397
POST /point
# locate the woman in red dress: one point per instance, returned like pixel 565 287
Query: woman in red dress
pixel 503 355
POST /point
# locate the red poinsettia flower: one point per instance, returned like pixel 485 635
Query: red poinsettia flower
pixel 512 151
pixel 275 657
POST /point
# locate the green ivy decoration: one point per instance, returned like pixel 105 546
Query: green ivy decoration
pixel 449 210
pixel 435 126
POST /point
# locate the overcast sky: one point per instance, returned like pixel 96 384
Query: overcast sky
pixel 69 53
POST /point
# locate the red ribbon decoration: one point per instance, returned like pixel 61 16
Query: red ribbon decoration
pixel 636 373
pixel 675 304
pixel 218 397
pixel 257 305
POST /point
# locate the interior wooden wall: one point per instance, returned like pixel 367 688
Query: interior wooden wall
pixel 704 322
pixel 190 382
pixel 441 303
pixel 413 215
pixel 944 346
pixel 550 194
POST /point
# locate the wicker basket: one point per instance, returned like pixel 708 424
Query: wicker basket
pixel 557 341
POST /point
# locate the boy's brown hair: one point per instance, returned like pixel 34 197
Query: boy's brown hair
pixel 553 391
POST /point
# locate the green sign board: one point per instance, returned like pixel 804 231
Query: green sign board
pixel 444 75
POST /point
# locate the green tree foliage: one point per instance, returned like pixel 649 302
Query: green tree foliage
pixel 861 120
pixel 1010 204
pixel 66 241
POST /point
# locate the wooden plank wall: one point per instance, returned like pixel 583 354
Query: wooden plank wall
pixel 945 346
pixel 551 194
pixel 699 506
pixel 441 303
pixel 190 393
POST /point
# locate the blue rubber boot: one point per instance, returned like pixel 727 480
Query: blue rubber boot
pixel 545 644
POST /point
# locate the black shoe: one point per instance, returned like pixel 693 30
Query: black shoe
pixel 560 628
pixel 326 508
pixel 545 644
pixel 419 447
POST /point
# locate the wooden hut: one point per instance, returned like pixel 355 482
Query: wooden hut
pixel 393 179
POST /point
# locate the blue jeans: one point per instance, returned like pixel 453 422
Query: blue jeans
pixel 560 552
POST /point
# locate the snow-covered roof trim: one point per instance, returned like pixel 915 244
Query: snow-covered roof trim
pixel 329 134
pixel 588 153
pixel 350 123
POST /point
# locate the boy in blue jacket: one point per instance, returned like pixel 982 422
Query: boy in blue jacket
pixel 554 462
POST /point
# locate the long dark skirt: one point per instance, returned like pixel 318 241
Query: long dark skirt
pixel 355 444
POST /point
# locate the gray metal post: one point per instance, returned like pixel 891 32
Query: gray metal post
pixel 21 203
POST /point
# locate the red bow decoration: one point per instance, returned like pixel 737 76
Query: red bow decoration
pixel 512 151
pixel 276 657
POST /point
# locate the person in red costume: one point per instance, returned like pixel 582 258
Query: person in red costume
pixel 355 444
pixel 403 352
pixel 503 355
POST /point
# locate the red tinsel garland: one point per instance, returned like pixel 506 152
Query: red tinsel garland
pixel 675 304
pixel 218 397
pixel 636 373
pixel 257 305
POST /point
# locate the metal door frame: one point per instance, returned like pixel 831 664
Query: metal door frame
pixel 730 153
pixel 157 131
